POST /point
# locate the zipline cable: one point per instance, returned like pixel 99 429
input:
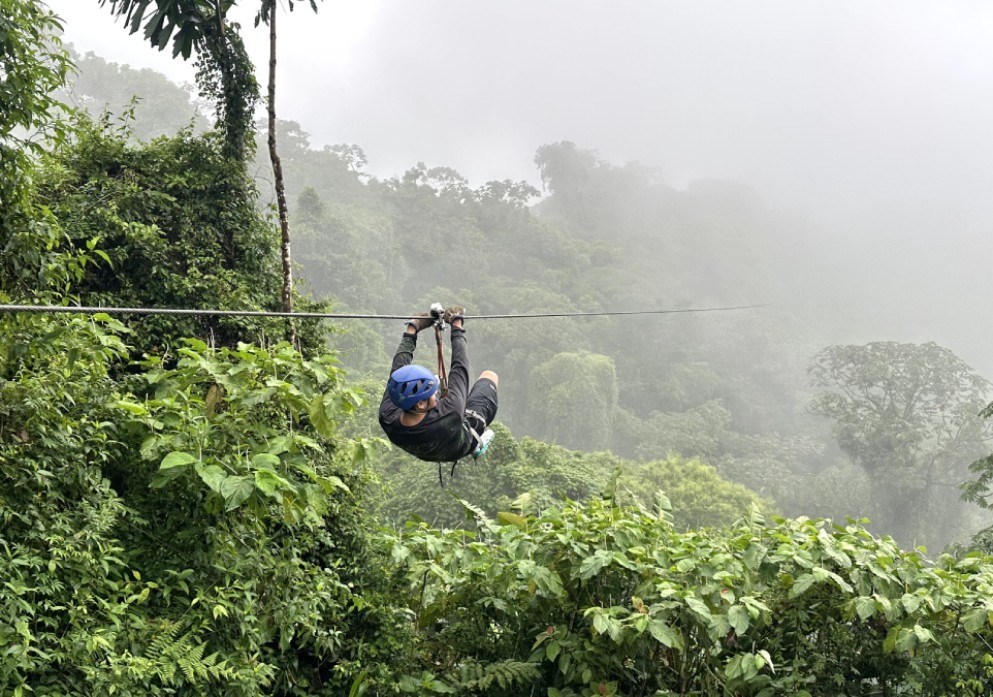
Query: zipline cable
pixel 329 315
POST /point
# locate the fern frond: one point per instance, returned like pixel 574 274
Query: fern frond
pixel 176 659
pixel 506 674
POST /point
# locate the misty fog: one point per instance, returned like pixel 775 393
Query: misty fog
pixel 825 161
pixel 729 261
pixel 865 123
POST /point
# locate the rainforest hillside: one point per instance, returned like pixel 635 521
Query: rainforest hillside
pixel 747 391
pixel 196 503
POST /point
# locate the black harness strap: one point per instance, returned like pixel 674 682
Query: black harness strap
pixel 442 373
pixel 439 327
pixel 451 475
pixel 438 314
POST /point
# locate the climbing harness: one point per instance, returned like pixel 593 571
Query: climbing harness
pixel 481 439
pixel 437 313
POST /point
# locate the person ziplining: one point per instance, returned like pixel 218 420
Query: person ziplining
pixel 428 416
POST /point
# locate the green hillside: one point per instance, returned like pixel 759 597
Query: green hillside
pixel 707 503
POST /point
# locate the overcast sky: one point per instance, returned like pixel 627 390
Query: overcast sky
pixel 873 118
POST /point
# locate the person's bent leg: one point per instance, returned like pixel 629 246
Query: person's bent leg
pixel 483 396
pixel 482 404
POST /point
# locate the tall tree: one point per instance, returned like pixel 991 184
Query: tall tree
pixel 267 15
pixel 908 415
pixel 980 490
pixel 579 394
pixel 566 172
pixel 33 69
pixel 226 74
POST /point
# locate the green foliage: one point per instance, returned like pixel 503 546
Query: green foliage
pixel 198 415
pixel 190 528
pixel 156 106
pixel 68 595
pixel 699 496
pixel 226 76
pixel 357 235
pixel 187 19
pixel 566 171
pixel 547 474
pixel 576 397
pixel 799 472
pixel 978 490
pixel 530 476
pixel 483 679
pixel 225 73
pixel 243 443
pixel 604 600
pixel 171 223
pixel 701 431
pixel 907 414
pixel 33 69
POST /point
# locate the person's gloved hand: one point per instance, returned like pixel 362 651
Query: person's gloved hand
pixel 453 313
pixel 421 321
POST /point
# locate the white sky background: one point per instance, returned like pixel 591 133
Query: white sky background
pixel 872 118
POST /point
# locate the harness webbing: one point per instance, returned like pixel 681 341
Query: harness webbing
pixel 442 373
pixel 441 476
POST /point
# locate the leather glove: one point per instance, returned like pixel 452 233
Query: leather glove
pixel 454 312
pixel 420 322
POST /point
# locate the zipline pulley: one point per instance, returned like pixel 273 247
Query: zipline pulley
pixel 438 315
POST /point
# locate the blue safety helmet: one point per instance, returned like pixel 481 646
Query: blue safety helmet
pixel 410 384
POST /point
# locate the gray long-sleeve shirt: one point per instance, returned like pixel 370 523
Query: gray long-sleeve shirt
pixel 441 436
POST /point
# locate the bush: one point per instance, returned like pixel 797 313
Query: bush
pixel 195 528
pixel 601 600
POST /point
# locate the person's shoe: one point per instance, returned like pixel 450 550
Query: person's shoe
pixel 484 442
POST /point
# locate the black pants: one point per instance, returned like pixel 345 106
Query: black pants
pixel 482 400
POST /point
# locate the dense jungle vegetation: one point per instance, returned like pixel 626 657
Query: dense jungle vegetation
pixel 708 504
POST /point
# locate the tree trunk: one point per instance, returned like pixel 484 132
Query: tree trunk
pixel 277 171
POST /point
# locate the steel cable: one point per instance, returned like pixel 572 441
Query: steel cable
pixel 331 315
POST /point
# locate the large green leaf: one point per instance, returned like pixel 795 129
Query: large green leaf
pixel 739 619
pixel 665 634
pixel 212 475
pixel 270 483
pixel 592 565
pixel 236 491
pixel 177 459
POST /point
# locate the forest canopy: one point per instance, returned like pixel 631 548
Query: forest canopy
pixel 692 504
